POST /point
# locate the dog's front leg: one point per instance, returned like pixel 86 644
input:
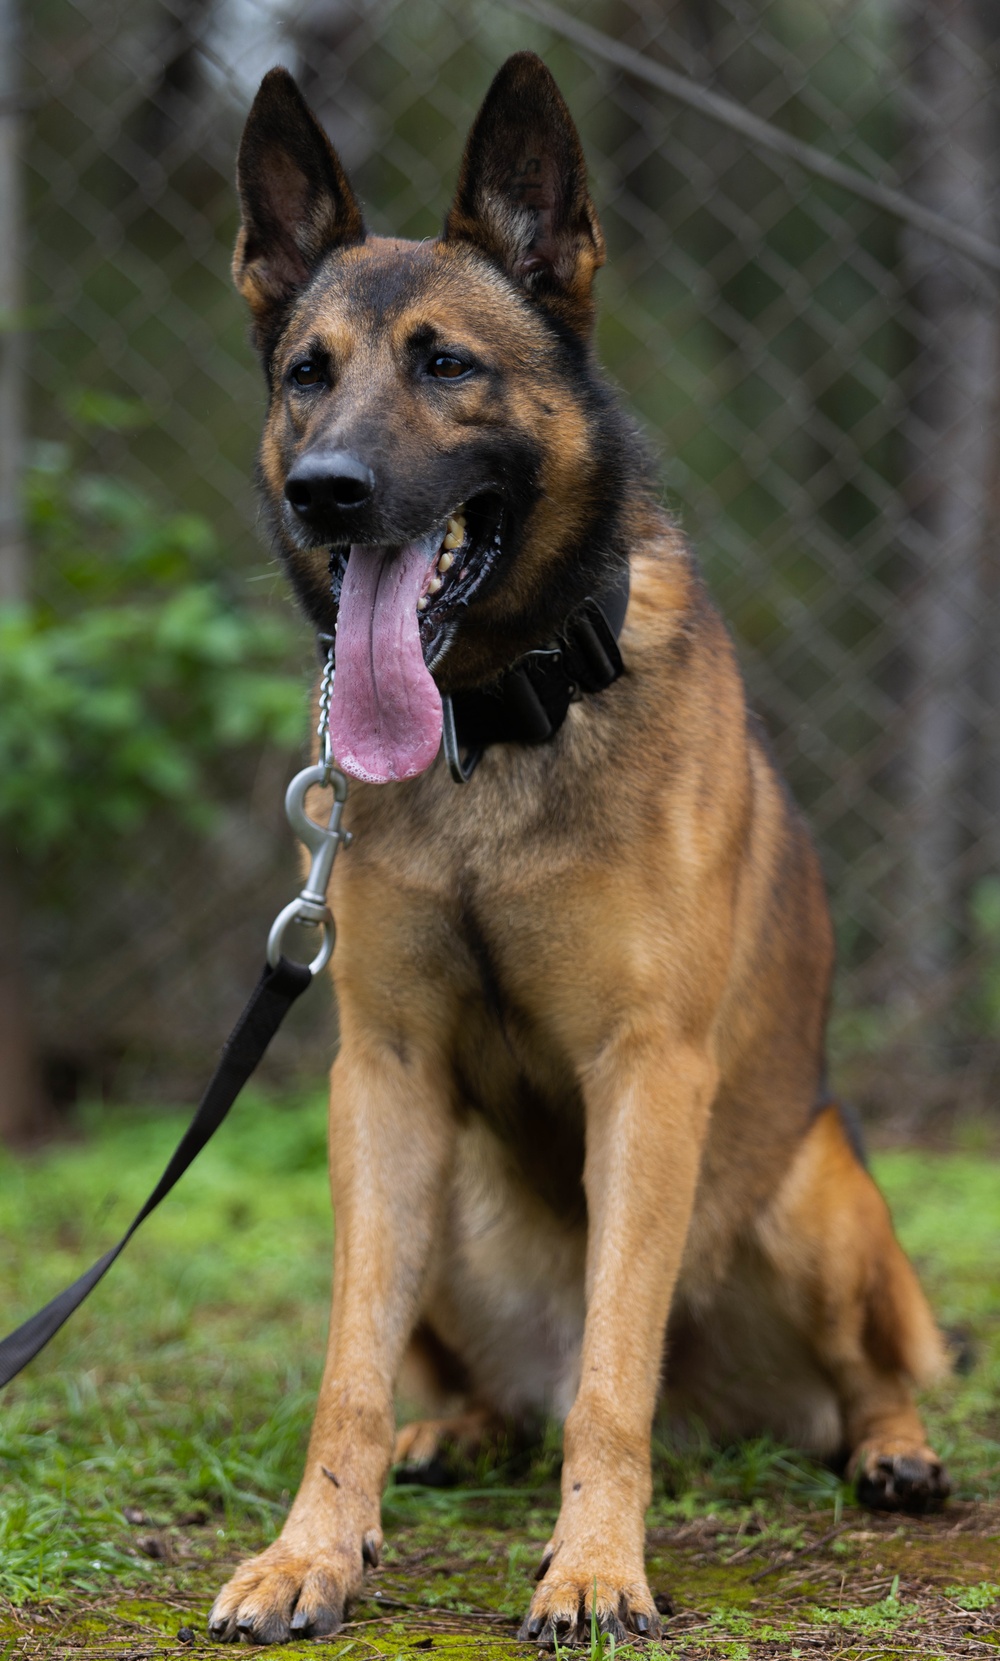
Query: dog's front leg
pixel 390 1142
pixel 647 1106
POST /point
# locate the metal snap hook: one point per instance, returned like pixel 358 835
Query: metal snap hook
pixel 295 912
pixel 309 907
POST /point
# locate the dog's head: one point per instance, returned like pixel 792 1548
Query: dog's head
pixel 442 465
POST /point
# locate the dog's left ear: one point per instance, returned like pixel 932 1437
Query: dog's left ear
pixel 522 193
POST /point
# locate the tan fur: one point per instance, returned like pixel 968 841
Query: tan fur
pixel 643 978
pixel 575 1118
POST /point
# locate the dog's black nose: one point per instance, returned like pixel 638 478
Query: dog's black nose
pixel 322 480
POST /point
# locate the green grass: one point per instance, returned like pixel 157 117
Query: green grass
pixel 947 1213
pixel 183 1389
pixel 187 1380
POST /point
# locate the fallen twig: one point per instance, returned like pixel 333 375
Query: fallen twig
pixel 797 1552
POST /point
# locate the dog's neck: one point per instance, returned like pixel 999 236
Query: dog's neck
pixel 530 701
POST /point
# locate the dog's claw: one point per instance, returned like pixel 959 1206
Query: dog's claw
pixel 567 1620
pixel 543 1567
pixel 312 1621
pixel 271 1631
pixel 325 1623
pixel 222 1627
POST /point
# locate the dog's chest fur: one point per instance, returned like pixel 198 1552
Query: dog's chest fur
pixel 489 909
pixel 509 1065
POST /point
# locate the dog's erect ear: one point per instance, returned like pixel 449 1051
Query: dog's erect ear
pixel 296 201
pixel 522 193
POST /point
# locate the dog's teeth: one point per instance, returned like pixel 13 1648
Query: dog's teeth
pixel 446 561
pixel 455 533
pixel 434 586
pixel 422 603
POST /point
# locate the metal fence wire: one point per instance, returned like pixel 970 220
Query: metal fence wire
pixel 817 371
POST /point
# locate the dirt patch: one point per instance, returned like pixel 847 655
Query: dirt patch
pixel 766 1583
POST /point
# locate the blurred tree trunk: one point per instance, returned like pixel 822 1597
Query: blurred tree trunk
pixel 173 102
pixel 951 454
pixel 13 555
pixel 24 1107
pixel 989 617
pixel 22 1100
pixel 331 38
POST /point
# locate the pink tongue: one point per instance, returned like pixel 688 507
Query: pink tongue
pixel 385 715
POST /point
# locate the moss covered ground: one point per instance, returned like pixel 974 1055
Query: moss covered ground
pixel 160 1436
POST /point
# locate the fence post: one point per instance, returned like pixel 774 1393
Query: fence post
pixel 22 1100
pixel 13 558
pixel 952 455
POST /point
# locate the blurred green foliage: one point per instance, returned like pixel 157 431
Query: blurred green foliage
pixel 124 690
pixel 984 908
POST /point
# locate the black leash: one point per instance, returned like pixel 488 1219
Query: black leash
pixel 281 983
pixel 272 998
pixel 526 706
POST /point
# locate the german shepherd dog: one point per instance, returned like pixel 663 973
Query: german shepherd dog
pixel 581 1153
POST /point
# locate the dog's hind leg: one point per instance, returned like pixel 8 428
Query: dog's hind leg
pixel 498 1347
pixel 434 1384
pixel 423 1445
pixel 852 1294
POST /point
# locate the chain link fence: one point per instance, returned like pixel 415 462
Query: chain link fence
pixel 818 375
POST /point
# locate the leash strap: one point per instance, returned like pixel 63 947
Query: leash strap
pixel 280 984
pixel 273 997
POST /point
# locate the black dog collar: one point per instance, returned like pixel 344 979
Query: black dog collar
pixel 529 703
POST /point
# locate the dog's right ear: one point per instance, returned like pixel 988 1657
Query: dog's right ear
pixel 297 204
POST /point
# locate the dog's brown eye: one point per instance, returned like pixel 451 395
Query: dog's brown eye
pixel 307 373
pixel 447 369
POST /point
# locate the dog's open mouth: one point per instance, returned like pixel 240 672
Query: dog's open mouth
pixel 395 607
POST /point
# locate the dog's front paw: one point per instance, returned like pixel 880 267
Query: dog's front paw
pixel 910 1479
pixel 288 1592
pixel 570 1594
